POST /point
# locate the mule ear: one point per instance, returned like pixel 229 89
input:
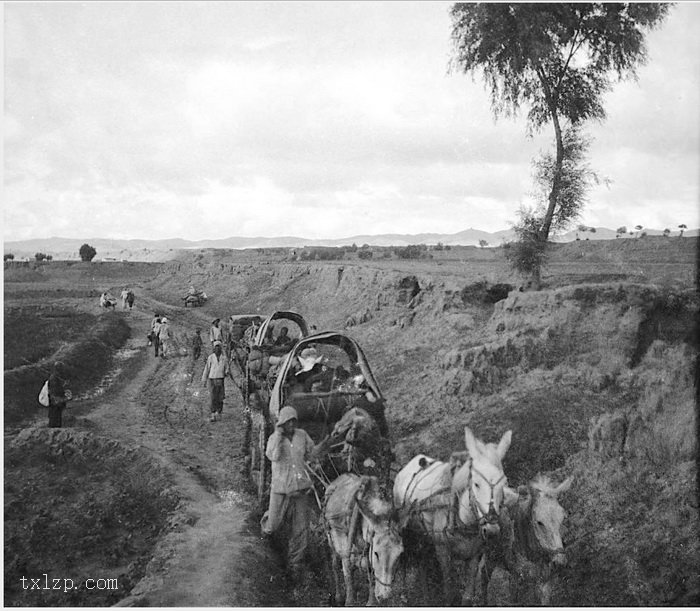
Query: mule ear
pixel 564 486
pixel 504 444
pixel 457 459
pixel 470 441
pixel 510 496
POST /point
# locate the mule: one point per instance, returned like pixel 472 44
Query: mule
pixel 531 542
pixel 364 450
pixel 362 529
pixel 457 504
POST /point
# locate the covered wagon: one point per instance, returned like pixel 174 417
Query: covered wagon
pixel 327 379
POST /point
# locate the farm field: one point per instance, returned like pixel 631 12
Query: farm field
pixel 594 374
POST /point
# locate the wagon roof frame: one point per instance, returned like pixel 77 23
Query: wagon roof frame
pixel 322 337
pixel 281 314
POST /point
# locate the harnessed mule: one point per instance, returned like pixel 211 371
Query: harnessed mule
pixel 362 529
pixel 531 541
pixel 456 505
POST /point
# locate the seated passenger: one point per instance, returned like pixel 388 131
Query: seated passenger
pixel 283 344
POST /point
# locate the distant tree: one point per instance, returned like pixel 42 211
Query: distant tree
pixel 620 231
pixel 448 247
pixel 8 257
pixel 483 243
pixel 667 232
pixel 638 229
pixel 682 227
pixel 558 58
pixel 40 256
pixel 49 257
pixel 592 229
pixel 412 251
pixel 353 248
pixel 365 254
pixel 87 252
pixel 643 234
pixel 439 246
pixel 364 246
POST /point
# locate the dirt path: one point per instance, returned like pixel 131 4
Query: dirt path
pixel 214 556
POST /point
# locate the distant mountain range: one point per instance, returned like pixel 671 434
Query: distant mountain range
pixel 158 250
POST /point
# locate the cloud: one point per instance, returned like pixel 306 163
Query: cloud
pixel 302 118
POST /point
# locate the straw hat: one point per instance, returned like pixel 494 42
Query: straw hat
pixel 286 414
pixel 308 358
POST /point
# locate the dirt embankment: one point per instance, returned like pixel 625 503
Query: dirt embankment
pixel 595 380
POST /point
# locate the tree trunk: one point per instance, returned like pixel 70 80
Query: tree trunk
pixel 556 180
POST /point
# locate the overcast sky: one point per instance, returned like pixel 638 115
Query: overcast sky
pixel 314 119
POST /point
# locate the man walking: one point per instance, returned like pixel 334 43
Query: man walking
pixel 155 328
pixel 164 337
pixel 215 333
pixel 214 373
pixel 58 395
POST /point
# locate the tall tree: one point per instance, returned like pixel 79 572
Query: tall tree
pixel 557 59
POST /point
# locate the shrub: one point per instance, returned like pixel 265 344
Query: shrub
pixel 364 254
pixel 8 257
pixel 412 251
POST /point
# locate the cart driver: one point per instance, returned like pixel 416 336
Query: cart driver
pixel 289 449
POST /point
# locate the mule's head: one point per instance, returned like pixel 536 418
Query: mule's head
pixel 546 516
pixel 385 543
pixel 480 483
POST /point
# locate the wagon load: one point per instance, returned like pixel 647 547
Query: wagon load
pixel 194 297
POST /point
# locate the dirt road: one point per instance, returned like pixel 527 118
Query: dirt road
pixel 214 556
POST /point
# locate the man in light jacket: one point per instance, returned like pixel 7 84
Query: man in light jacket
pixel 289 448
pixel 215 371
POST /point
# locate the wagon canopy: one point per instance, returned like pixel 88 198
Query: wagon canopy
pixel 294 317
pixel 331 339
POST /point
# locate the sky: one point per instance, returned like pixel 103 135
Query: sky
pixel 205 120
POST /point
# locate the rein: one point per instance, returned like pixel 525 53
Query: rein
pixel 490 516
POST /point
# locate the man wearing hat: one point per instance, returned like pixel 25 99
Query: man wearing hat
pixel 215 333
pixel 311 368
pixel 214 373
pixel 289 448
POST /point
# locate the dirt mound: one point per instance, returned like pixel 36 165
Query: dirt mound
pixel 79 507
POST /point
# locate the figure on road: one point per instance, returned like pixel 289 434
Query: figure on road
pixel 155 327
pixel 165 337
pixel 197 344
pixel 215 333
pixel 215 371
pixel 58 395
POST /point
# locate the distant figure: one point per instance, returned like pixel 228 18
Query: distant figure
pixel 197 344
pixel 123 295
pixel 215 371
pixel 215 333
pixel 107 300
pixel 58 395
pixel 130 297
pixel 155 327
pixel 164 337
